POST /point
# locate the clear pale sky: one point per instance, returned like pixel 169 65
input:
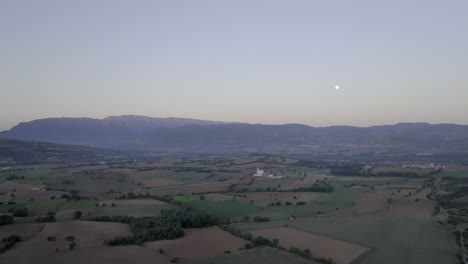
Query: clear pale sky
pixel 248 61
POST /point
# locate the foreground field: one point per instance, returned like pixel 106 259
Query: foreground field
pixel 392 240
pixel 341 252
pixel 263 255
pixel 86 235
pixel 200 242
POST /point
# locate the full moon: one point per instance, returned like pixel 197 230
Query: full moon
pixel 337 87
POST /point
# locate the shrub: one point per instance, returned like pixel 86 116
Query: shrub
pixel 77 215
pixel 44 219
pixel 261 219
pixel 9 242
pixel 21 212
pixel 71 246
pixel 6 220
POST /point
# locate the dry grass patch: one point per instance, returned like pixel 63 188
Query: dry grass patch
pixel 413 207
pixel 199 242
pixel 371 202
pixel 341 252
pixel 86 235
pixel 100 254
pixel 25 231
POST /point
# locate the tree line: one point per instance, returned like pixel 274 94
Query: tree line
pixel 169 225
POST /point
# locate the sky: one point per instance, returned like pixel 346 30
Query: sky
pixel 271 62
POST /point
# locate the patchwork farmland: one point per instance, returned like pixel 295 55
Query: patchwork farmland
pixel 179 210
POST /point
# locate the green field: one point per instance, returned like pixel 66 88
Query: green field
pixel 182 176
pixel 136 210
pixel 340 198
pixel 456 174
pixel 41 207
pixel 224 210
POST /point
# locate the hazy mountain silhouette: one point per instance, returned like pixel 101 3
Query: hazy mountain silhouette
pixel 178 135
pixel 100 132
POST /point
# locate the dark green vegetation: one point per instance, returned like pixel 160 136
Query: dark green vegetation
pixel 224 210
pixel 6 220
pixel 167 226
pixel 8 243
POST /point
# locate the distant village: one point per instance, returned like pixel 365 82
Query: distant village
pixel 261 173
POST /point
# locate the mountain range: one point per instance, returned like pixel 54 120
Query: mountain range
pixel 182 136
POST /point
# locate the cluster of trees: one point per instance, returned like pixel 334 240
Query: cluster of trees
pixel 73 196
pixel 50 217
pixel 9 242
pixel 319 186
pixel 6 220
pixel 77 215
pixel 167 226
pixel 261 219
pixel 14 177
pixel 347 169
pixel 275 204
pixel 286 203
pixel 72 244
pixel 145 196
pixel 19 211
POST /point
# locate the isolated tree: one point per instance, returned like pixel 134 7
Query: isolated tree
pixel 6 220
pixel 21 212
pixel 71 246
pixel 245 219
pixel 77 215
pixel 275 242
